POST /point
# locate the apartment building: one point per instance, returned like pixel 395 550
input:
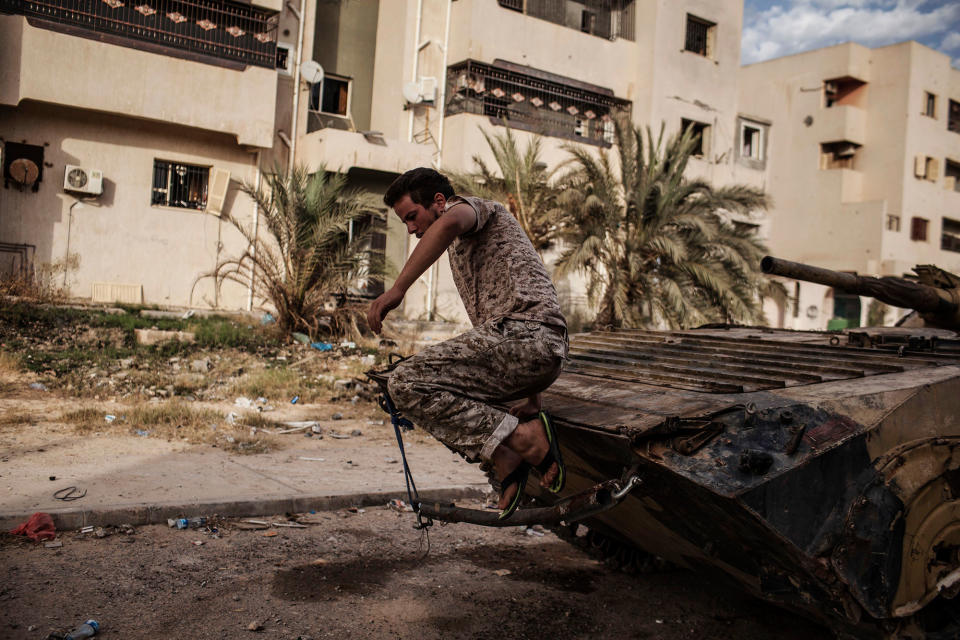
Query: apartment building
pixel 126 127
pixel 141 119
pixel 415 82
pixel 864 165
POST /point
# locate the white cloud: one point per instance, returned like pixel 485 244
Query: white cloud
pixel 951 42
pixel 785 27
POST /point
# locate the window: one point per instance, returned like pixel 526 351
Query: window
pixel 284 58
pixel 751 142
pixel 838 155
pixel 179 185
pixel 603 18
pixel 929 104
pixel 951 175
pixel 893 222
pixel 950 235
pixel 701 132
pixel 918 229
pixel 332 96
pixel 700 36
pixel 953 116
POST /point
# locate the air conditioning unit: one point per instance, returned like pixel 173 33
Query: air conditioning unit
pixel 83 180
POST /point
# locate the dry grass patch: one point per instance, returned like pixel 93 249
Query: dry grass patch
pixel 279 385
pixel 13 418
pixel 176 420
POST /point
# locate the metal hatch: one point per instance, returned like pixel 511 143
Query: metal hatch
pixel 739 360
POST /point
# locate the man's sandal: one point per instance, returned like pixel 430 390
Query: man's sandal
pixel 553 455
pixel 516 477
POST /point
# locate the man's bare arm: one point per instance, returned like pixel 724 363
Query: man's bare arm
pixel 458 220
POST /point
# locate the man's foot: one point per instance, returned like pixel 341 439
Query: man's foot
pixel 529 440
pixel 511 472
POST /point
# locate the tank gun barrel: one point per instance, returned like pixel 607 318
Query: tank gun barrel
pixel 894 291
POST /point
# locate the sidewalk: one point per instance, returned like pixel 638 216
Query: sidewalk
pixel 137 480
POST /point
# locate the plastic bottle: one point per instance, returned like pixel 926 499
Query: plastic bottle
pixel 191 523
pixel 87 630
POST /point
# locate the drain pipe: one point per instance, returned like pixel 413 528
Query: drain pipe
pixel 438 160
pixel 296 85
pixel 256 225
pixel 416 62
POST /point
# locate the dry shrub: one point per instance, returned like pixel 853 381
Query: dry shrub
pixel 279 385
pixel 10 374
pixel 14 418
pixel 47 283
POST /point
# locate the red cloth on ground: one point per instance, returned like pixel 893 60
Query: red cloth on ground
pixel 38 527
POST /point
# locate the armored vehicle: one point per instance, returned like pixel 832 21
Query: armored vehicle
pixel 818 470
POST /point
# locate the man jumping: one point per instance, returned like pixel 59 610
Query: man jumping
pixel 514 351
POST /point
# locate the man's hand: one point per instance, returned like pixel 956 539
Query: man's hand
pixel 529 407
pixel 380 307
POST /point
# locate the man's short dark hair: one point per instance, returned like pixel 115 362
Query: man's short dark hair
pixel 422 184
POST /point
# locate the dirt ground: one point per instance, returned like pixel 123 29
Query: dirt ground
pixel 361 575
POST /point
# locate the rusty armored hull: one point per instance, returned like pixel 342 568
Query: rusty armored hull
pixel 819 471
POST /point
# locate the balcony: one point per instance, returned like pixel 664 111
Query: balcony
pixel 340 150
pixel 211 31
pixel 41 65
pixel 534 100
pixel 841 122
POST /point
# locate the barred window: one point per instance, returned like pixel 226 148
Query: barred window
pixel 179 185
pixel 950 235
pixel 700 35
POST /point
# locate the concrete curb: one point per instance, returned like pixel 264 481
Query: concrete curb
pixel 71 518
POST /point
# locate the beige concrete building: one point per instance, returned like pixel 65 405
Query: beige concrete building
pixel 415 82
pixel 126 128
pixel 864 164
pixel 173 105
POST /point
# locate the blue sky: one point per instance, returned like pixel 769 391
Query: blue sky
pixel 774 28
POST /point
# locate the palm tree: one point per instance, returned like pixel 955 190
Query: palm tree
pixel 658 248
pixel 521 181
pixel 316 246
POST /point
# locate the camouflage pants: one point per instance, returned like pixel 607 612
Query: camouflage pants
pixel 448 388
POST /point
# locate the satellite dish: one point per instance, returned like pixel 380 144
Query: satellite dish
pixel 311 72
pixel 411 93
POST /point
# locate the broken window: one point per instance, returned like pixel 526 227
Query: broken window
pixel 700 36
pixel 918 229
pixel 893 222
pixel 950 235
pixel 951 175
pixel 929 104
pixel 179 185
pixel 838 155
pixel 701 134
pixel 953 116
pixel 284 58
pixel 332 96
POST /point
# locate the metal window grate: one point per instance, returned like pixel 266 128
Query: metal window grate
pixel 698 33
pixel 179 185
pixel 534 103
pixel 226 30
pixel 516 5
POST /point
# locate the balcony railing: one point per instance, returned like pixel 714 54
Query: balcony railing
pixel 604 18
pixel 228 31
pixel 534 101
